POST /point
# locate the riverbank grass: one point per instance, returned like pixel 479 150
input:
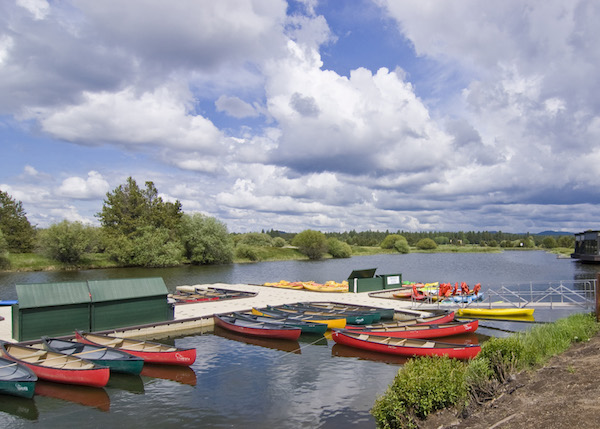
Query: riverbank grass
pixel 425 385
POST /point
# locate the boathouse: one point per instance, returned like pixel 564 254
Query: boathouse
pixel 58 309
pixel 587 246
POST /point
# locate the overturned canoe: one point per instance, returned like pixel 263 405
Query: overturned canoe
pixel 424 331
pixel 506 312
pixel 405 346
pixel 149 351
pixel 255 328
pixel 57 367
pixel 116 360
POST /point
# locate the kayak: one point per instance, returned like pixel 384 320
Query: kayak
pixel 507 312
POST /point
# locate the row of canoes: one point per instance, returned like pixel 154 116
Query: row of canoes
pixel 328 286
pixel 190 294
pixel 376 329
pixel 87 361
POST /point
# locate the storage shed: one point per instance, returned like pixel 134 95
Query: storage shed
pixel 128 302
pixel 51 309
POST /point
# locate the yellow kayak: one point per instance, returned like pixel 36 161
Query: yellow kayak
pixel 506 312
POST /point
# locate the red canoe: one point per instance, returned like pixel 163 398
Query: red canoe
pixel 405 346
pixel 424 331
pixel 257 329
pixel 57 367
pixel 150 351
pixel 437 319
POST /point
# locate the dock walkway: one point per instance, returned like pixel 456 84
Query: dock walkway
pixel 195 317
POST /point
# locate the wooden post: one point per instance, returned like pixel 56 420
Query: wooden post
pixel 597 297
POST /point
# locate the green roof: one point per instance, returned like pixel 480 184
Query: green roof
pixel 110 290
pixel 52 294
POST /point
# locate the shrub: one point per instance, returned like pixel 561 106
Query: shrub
pixel 244 251
pixel 339 249
pixel 424 385
pixel 278 242
pixel 256 239
pixel 390 241
pixel 153 247
pixel 66 241
pixel 206 240
pixel 426 244
pixel 311 243
pixel 504 356
pixel 402 246
pixel 549 243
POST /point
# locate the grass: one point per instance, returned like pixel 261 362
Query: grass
pixel 418 390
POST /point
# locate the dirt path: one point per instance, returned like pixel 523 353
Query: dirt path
pixel 565 394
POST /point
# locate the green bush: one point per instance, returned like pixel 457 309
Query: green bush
pixel 339 249
pixel 311 243
pixel 4 261
pixel 423 386
pixel 65 242
pixel 245 251
pixel 153 247
pixel 279 242
pixel 256 239
pixel 390 241
pixel 426 244
pixel 402 246
pixel 206 240
pixel 504 356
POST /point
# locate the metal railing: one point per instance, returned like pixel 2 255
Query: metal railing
pixel 579 293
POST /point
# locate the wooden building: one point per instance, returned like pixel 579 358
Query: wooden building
pixel 587 246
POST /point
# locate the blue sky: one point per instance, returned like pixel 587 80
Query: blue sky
pixel 331 115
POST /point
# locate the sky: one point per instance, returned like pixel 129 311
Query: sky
pixel 332 115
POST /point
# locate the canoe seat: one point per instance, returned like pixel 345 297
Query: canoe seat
pixel 113 342
pixel 429 344
pixel 32 357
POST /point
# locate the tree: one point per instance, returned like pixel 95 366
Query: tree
pixel 153 247
pixel 549 242
pixel 256 239
pixel 66 241
pixel 205 240
pixel 18 232
pixel 426 244
pixel 389 242
pixel 128 208
pixel 311 243
pixel 4 261
pixel 402 246
pixel 339 249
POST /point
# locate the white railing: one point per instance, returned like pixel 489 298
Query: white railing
pixel 581 293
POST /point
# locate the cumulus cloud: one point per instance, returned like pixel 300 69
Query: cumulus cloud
pixel 235 107
pixel 94 186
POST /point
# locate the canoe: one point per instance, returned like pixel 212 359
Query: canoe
pixel 425 320
pixel 423 331
pixel 331 322
pixel 116 360
pixel 305 327
pixel 16 379
pixel 57 367
pixel 506 312
pixel 405 346
pixel 374 316
pixel 149 351
pixel 351 317
pixel 384 313
pixel 257 329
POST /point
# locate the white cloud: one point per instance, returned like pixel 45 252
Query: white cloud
pixel 38 8
pixel 92 187
pixel 235 107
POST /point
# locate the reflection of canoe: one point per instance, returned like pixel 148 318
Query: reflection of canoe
pixel 306 327
pixel 331 321
pixel 440 318
pixel 85 395
pixel 128 382
pixel 57 367
pixel 149 351
pixel 16 379
pixel 405 346
pixel 505 312
pixel 23 408
pixel 424 331
pixel 353 352
pixel 257 329
pixel 270 343
pixel 116 360
pixel 178 373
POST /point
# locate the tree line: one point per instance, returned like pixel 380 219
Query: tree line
pixel 138 228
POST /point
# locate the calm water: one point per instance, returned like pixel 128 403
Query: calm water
pixel 239 382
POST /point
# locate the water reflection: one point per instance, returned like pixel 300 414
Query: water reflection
pixel 84 395
pixel 22 408
pixel 288 346
pixel 127 382
pixel 180 374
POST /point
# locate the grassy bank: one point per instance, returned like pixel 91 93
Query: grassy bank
pixel 38 262
pixel 425 385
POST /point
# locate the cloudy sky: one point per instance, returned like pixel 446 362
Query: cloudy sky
pixel 325 114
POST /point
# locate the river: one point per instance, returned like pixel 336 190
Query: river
pixel 244 383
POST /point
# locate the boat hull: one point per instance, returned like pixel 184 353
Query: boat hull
pixel 424 331
pixel 258 330
pixel 305 327
pixel 167 356
pixel 16 379
pixel 411 347
pixel 439 319
pixel 506 312
pixel 331 322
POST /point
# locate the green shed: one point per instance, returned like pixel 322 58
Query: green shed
pixel 52 309
pixel 128 302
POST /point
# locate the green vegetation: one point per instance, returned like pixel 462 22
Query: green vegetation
pixel 17 231
pixel 426 244
pixel 311 243
pixel 425 385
